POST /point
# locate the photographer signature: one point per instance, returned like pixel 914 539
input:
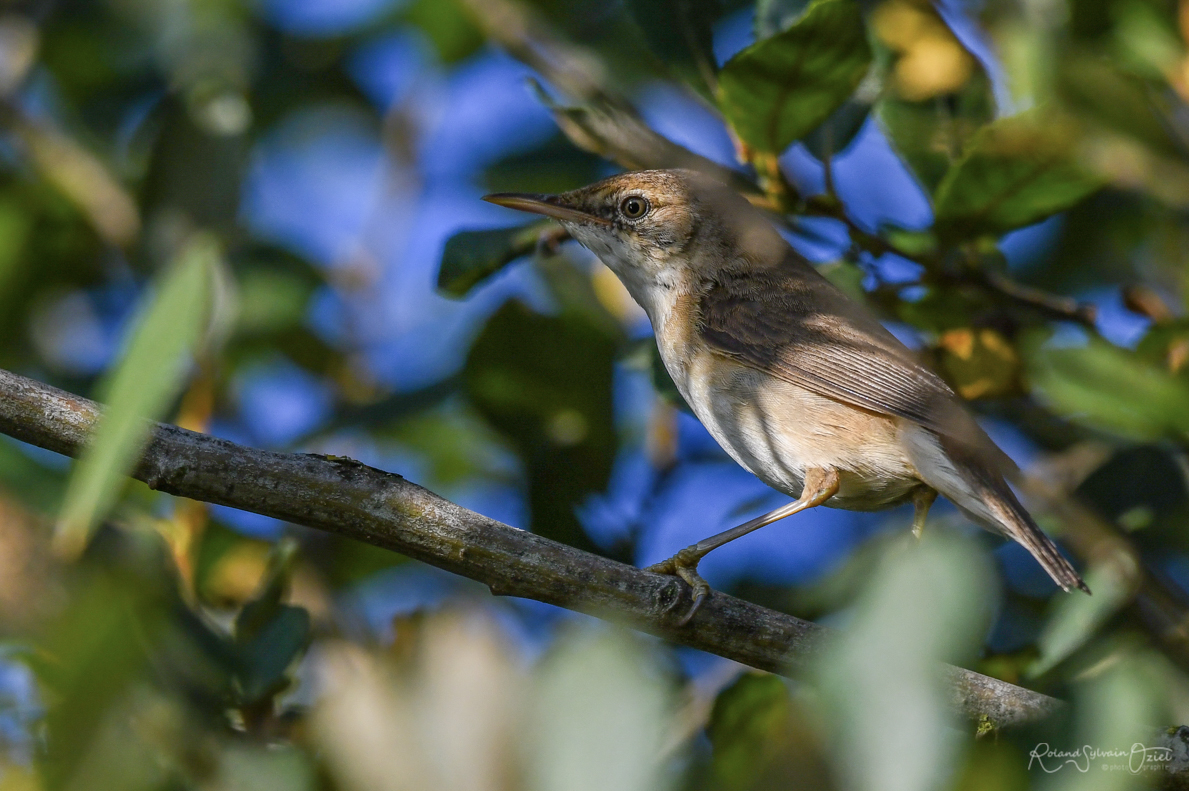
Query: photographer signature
pixel 1136 758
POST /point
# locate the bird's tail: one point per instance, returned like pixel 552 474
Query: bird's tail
pixel 983 495
pixel 1016 523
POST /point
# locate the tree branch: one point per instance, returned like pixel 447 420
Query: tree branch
pixel 350 499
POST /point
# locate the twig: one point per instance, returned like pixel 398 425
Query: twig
pixel 351 499
pixel 1052 305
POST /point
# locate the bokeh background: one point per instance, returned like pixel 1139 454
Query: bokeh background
pixel 310 160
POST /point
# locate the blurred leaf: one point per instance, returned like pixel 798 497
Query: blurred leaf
pixel 33 483
pixel 1115 705
pixel 930 135
pixel 271 300
pixel 545 383
pixel 448 26
pixel 457 445
pixel 758 739
pixel 124 661
pixel 1015 172
pixel 273 767
pixel 270 635
pixel 779 89
pixel 1101 92
pixel 943 309
pixel 978 363
pixel 228 566
pixel 1166 344
pixel 1105 386
pixel 608 129
pixel 774 16
pixel 847 276
pixel 927 603
pixel 14 227
pixel 598 718
pixel 556 166
pixel 266 656
pixel 97 653
pixel 441 708
pixel 839 130
pixel 84 180
pixel 351 562
pixel 923 58
pixel 272 589
pixel 1147 41
pixel 1075 619
pixel 1153 505
pixel 389 414
pixel 913 243
pixel 471 256
pixel 680 33
pixel 194 170
pixel 142 387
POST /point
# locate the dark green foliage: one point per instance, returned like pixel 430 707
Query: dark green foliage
pixel 680 34
pixel 1014 172
pixel 760 740
pixel 544 382
pixel 472 256
pixel 774 16
pixel 781 88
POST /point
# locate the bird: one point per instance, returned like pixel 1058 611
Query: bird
pixel 799 383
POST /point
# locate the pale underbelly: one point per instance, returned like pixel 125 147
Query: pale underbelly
pixel 778 431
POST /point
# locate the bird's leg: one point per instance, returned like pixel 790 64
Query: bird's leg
pixel 922 500
pixel 820 486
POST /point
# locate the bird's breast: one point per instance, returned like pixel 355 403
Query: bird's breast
pixel 778 430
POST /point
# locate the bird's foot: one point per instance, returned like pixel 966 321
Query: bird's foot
pixel 685 565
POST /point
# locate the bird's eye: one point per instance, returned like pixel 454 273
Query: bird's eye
pixel 634 207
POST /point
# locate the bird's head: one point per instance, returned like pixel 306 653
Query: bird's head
pixel 650 226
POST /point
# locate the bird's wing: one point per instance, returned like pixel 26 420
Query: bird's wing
pixel 794 324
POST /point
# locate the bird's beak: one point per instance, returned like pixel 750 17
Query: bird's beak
pixel 549 205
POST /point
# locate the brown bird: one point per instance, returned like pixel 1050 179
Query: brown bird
pixel 797 382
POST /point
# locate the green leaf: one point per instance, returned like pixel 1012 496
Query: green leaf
pixel 14 229
pixel 780 89
pixel 773 16
pixel 269 635
pixel 273 587
pixel 909 242
pixel 266 657
pixel 554 166
pixel 545 383
pixel 271 300
pixel 1075 619
pixel 448 26
pixel 837 132
pixel 847 276
pixel 141 388
pixel 923 604
pixel 472 256
pixel 1015 172
pixel 597 715
pixel 749 718
pixel 931 135
pixel 1110 388
pixel 681 34
pixel 1107 96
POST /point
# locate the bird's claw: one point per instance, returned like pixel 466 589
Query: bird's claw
pixel 685 565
